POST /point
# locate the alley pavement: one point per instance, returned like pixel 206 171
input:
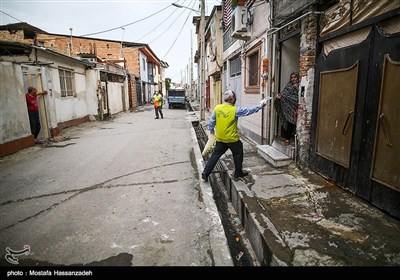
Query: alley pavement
pixel 297 218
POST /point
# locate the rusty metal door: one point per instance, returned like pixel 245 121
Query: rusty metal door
pixel 386 147
pixel 355 125
pixel 379 176
pixel 338 105
pixel 335 123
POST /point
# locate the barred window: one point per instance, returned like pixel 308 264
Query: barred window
pixel 253 69
pixel 67 82
pixel 236 67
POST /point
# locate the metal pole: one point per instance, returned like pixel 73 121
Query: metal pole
pixel 202 62
pixel 70 43
pixel 191 66
pixel 122 41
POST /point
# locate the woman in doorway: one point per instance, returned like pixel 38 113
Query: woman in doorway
pixel 286 104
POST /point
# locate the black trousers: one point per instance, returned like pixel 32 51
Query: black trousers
pixel 290 128
pixel 158 111
pixel 34 122
pixel 220 149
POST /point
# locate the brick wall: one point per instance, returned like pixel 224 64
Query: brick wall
pixel 307 70
pixel 132 92
pixel 103 49
pixel 131 56
pixel 16 37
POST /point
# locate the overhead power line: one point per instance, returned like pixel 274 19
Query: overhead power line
pixel 115 28
pixel 11 16
pixel 168 27
pixel 167 18
pixel 178 34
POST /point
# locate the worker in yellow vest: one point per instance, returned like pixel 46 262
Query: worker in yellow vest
pixel 224 120
pixel 157 100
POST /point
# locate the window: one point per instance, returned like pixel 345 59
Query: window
pixel 67 82
pixel 236 67
pixel 144 64
pixel 252 73
pixel 253 69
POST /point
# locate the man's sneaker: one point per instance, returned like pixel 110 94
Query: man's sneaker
pixel 242 174
pixel 204 177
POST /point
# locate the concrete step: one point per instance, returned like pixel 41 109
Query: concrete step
pixel 273 156
pixel 287 150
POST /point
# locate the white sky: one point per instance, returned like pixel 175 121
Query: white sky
pixel 85 17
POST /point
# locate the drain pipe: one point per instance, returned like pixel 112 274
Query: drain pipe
pixel 295 149
pixel 272 87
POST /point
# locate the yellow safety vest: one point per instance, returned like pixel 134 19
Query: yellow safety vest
pixel 158 99
pixel 226 123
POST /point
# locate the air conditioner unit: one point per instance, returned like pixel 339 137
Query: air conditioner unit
pixel 239 20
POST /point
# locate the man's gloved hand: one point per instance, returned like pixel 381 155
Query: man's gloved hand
pixel 265 101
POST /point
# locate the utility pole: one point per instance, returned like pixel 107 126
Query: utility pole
pixel 71 49
pixel 191 66
pixel 122 41
pixel 202 62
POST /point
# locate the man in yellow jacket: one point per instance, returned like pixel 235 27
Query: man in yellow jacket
pixel 224 120
pixel 158 99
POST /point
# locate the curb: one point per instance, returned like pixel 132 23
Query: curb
pixel 255 227
pixel 219 245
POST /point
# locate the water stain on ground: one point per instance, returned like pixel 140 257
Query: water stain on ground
pixel 122 259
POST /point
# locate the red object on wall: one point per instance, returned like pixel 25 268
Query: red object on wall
pixel 241 2
pixel 208 94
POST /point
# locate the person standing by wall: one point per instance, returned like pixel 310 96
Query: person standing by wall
pixel 224 120
pixel 33 111
pixel 157 99
pixel 286 105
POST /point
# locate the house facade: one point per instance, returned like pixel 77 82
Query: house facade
pixel 245 52
pixel 71 97
pixel 344 52
pixel 213 45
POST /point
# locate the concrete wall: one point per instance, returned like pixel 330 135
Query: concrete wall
pixel 214 56
pixel 283 9
pixel 92 78
pixel 251 125
pixel 70 107
pixel 115 97
pixel 14 117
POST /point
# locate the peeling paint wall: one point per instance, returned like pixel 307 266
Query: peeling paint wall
pixel 115 96
pixel 14 117
pixel 92 77
pixel 251 125
pixel 71 107
pixel 306 90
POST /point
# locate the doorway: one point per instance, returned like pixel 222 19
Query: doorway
pixel 33 78
pixel 289 62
